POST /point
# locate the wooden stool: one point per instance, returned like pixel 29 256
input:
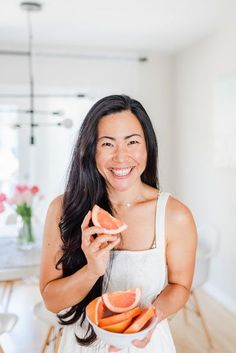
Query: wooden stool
pixel 54 331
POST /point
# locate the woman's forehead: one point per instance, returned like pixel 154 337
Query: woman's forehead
pixel 122 123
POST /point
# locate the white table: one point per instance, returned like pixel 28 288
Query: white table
pixel 17 264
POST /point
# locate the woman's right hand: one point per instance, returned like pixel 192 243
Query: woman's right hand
pixel 96 250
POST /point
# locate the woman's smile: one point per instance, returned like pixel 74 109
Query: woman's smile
pixel 121 172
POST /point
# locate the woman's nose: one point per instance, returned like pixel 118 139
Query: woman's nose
pixel 120 154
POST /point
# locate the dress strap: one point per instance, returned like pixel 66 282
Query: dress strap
pixel 160 219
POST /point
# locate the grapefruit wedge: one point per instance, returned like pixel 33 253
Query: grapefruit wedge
pixel 114 319
pixel 95 310
pixel 103 219
pixel 118 327
pixel 122 301
pixel 141 320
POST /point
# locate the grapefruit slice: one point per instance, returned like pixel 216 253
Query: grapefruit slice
pixel 95 310
pixel 141 320
pixel 103 219
pixel 114 319
pixel 118 327
pixel 122 301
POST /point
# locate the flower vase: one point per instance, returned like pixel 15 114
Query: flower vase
pixel 25 233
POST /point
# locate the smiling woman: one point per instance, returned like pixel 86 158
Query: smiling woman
pixel 114 166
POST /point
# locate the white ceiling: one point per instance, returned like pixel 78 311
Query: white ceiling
pixel 165 25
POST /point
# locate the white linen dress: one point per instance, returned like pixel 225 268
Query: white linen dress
pixel 145 269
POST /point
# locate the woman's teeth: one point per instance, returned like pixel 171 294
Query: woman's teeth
pixel 121 172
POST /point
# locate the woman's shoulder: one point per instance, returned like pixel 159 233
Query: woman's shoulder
pixel 176 207
pixel 178 214
pixel 55 206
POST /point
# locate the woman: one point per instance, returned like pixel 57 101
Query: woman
pixel 114 165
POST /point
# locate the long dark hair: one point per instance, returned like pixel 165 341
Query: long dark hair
pixel 86 187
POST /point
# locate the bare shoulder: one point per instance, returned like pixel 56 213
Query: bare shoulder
pixel 53 217
pixel 179 220
pixel 55 207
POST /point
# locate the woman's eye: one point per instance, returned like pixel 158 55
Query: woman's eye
pixel 107 144
pixel 133 142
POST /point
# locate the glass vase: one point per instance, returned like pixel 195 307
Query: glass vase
pixel 25 233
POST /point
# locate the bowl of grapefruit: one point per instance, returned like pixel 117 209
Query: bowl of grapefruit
pixel 117 317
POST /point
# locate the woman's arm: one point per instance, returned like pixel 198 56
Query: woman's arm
pixel 181 235
pixel 60 293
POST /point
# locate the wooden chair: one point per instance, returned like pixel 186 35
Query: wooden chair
pixel 208 245
pixel 54 332
pixel 7 322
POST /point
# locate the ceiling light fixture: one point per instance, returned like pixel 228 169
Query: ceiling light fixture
pixel 30 7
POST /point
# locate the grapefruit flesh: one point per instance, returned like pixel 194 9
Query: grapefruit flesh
pixel 103 219
pixel 95 310
pixel 122 301
pixel 141 320
pixel 114 319
pixel 118 327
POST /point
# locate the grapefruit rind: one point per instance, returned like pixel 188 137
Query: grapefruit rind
pixel 112 225
pixel 95 310
pixel 122 301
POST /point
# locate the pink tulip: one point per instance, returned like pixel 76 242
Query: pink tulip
pixel 2 197
pixel 21 188
pixel 34 189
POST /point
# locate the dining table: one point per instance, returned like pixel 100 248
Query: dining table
pixel 17 264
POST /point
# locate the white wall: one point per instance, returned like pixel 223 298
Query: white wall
pixel 210 191
pixel 149 82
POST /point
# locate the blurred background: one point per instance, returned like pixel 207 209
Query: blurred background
pixel 178 58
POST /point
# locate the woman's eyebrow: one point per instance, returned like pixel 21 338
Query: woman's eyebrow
pixel 112 138
pixel 106 137
pixel 127 137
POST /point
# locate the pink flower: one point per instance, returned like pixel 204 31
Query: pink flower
pixel 2 197
pixel 34 189
pixel 22 188
pixel 2 208
pixel 23 195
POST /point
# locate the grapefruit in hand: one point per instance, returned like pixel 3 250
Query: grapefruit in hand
pixel 103 219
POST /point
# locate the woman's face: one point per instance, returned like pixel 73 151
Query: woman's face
pixel 121 153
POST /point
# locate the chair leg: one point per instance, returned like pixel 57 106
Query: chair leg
pixel 47 340
pixel 199 313
pixel 57 341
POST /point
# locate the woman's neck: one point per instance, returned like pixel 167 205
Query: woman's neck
pixel 128 198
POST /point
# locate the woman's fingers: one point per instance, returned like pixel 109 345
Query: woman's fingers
pixel 142 343
pixel 87 235
pixel 93 230
pixel 109 247
pixel 102 240
pixel 113 349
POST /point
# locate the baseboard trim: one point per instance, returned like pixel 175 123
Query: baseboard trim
pixel 217 294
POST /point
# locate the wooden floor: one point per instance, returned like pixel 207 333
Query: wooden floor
pixel 29 333
pixel 190 338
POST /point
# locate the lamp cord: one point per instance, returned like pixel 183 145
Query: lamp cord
pixel 31 78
